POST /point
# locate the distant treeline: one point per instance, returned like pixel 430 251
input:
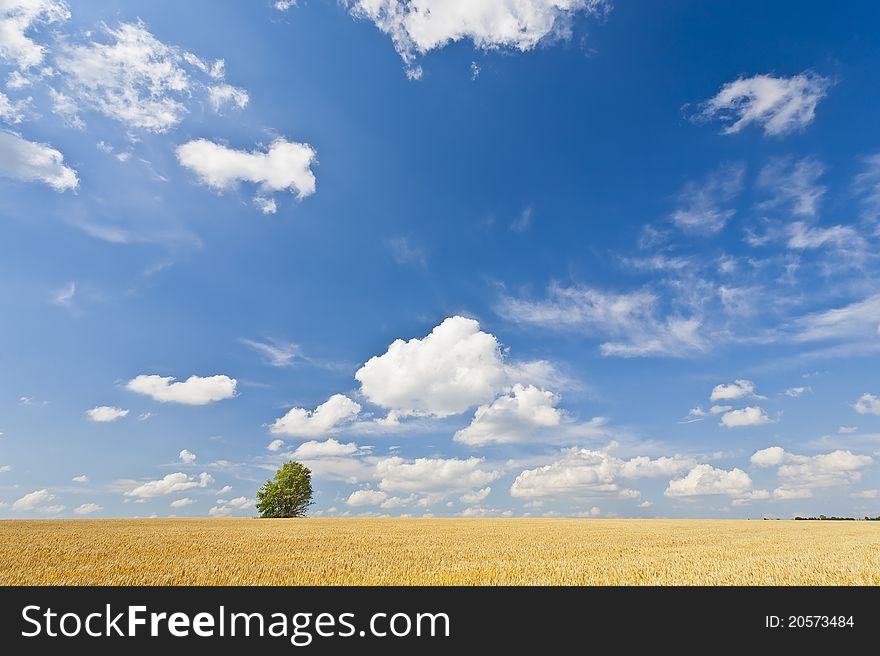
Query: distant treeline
pixel 840 519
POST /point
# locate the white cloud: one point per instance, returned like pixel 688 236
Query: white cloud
pixel 769 457
pixel 867 185
pixel 241 502
pixel 866 494
pixel 17 19
pixel 29 161
pixel 748 416
pixel 327 449
pixel 455 367
pixel 360 498
pixel 182 503
pixel 847 430
pixel 406 252
pixel 631 320
pixel 226 94
pixel 224 507
pixel 224 490
pixel 738 389
pixel 5 468
pixel 704 206
pixel 285 165
pixel 513 417
pixel 476 496
pixel 705 480
pixel 326 418
pixel 87 509
pixel 80 479
pixel 105 413
pixel 275 445
pixel 275 353
pixel 11 112
pixel 169 484
pixel 187 457
pixel 858 321
pixel 195 390
pixel 792 184
pixel 868 404
pixel 64 296
pixel 781 105
pixel 800 474
pixel 33 499
pixel 802 236
pixel 51 510
pixel 432 475
pixel 587 473
pixel 795 392
pixel 134 78
pixel 418 26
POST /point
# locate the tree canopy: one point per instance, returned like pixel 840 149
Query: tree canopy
pixel 289 494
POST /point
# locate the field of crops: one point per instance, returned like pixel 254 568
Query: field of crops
pixel 437 552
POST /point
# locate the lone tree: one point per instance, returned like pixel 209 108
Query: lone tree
pixel 289 494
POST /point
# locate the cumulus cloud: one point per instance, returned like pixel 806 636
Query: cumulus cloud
pixel 418 26
pixel 169 484
pixel 195 390
pixel 20 17
pixel 326 449
pixel 868 404
pixel 633 321
pixel 432 476
pixel 285 165
pixel 705 480
pixel 455 367
pixel 795 392
pixel 33 499
pixel 87 509
pixel 225 507
pixel 780 105
pixel 704 206
pixel 134 78
pixel 29 161
pixel 513 417
pixel 738 389
pixel 335 412
pixel 80 479
pixel 360 498
pixel 587 473
pixel 800 474
pixel 748 416
pixel 105 413
pixel 476 496
pixel 181 503
pixel 187 457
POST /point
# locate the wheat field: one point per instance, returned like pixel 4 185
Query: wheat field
pixel 438 552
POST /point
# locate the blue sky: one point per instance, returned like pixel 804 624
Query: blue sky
pixel 629 251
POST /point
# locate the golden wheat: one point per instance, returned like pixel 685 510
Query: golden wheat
pixel 438 552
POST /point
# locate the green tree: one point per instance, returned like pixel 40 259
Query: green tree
pixel 289 494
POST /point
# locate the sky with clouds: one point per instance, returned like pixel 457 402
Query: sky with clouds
pixel 537 258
